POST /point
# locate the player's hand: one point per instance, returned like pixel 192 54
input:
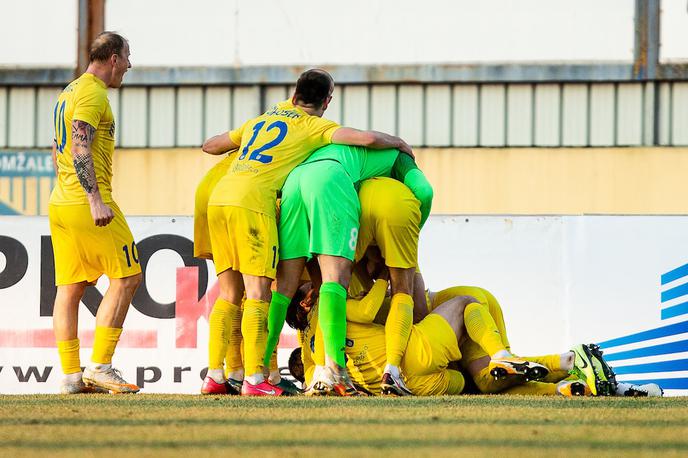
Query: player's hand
pixel 406 148
pixel 102 213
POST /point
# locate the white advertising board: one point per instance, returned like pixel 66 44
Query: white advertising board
pixel 621 281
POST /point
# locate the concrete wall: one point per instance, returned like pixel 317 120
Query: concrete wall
pixel 466 181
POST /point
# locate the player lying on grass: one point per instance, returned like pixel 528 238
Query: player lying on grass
pixel 241 214
pixel 320 217
pixel 432 345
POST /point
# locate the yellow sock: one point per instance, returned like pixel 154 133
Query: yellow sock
pixel 398 327
pixel 254 328
pixel 482 328
pixel 487 383
pixel 533 388
pixel 551 362
pixel 218 335
pixel 233 360
pixel 104 343
pixel 69 356
pixel 319 353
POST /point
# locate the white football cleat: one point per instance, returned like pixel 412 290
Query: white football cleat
pixel 108 379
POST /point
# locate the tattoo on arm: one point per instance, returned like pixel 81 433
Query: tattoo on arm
pixel 82 137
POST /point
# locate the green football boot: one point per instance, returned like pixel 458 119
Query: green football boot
pixel 583 367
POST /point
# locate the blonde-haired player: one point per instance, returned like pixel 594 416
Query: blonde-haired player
pixel 90 236
pixel 241 213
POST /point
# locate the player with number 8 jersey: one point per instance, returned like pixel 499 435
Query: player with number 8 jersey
pixel 242 209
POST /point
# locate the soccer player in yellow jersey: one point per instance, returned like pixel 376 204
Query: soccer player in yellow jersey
pixel 89 233
pixel 432 345
pixel 241 214
pixel 485 327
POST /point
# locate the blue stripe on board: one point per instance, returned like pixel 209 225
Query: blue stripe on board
pixel 675 274
pixel 670 330
pixel 663 366
pixel 663 349
pixel 673 293
pixel 675 310
pixel 666 383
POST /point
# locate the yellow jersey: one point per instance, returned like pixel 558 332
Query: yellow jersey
pixel 84 99
pixel 271 145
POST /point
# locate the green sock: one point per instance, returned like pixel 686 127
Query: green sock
pixel 277 313
pixel 332 320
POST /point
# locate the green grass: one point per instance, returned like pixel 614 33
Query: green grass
pixel 156 425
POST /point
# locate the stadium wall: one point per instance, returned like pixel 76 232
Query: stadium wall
pixel 466 180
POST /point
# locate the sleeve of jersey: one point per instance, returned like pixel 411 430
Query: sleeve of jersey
pixel 236 134
pixel 322 130
pixel 365 310
pixel 90 107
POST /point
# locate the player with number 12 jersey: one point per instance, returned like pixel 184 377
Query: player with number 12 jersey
pixel 241 215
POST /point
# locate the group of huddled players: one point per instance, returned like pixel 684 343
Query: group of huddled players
pixel 305 221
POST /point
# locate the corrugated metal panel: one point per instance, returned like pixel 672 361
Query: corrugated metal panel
pixel 45 127
pixel 629 121
pixel 575 115
pixel 113 98
pixel 133 117
pixel 273 95
pixel 356 107
pixel 679 124
pixel 334 109
pixel 190 116
pixel 218 109
pixel 519 115
pixel 410 114
pixel 3 116
pixel 602 115
pixel 492 106
pixel 22 117
pixel 438 115
pixel 664 113
pixel 246 104
pixel 649 114
pixel 161 109
pixel 465 128
pixel 383 106
pixel 547 101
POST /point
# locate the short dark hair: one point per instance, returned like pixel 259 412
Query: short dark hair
pixel 296 365
pixel 297 318
pixel 313 87
pixel 105 45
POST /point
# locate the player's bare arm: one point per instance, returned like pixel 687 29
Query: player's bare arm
pixel 54 156
pixel 82 138
pixel 219 144
pixel 370 139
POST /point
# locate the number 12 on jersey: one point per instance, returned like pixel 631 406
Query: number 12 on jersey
pixel 256 154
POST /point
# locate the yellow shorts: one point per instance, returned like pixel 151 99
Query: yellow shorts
pixel 447 381
pixel 243 240
pixel 431 347
pixel 471 350
pixel 390 216
pixel 84 251
pixel 202 246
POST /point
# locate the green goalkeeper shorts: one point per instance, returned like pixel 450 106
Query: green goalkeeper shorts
pixel 319 212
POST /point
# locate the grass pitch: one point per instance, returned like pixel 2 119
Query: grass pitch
pixel 164 425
